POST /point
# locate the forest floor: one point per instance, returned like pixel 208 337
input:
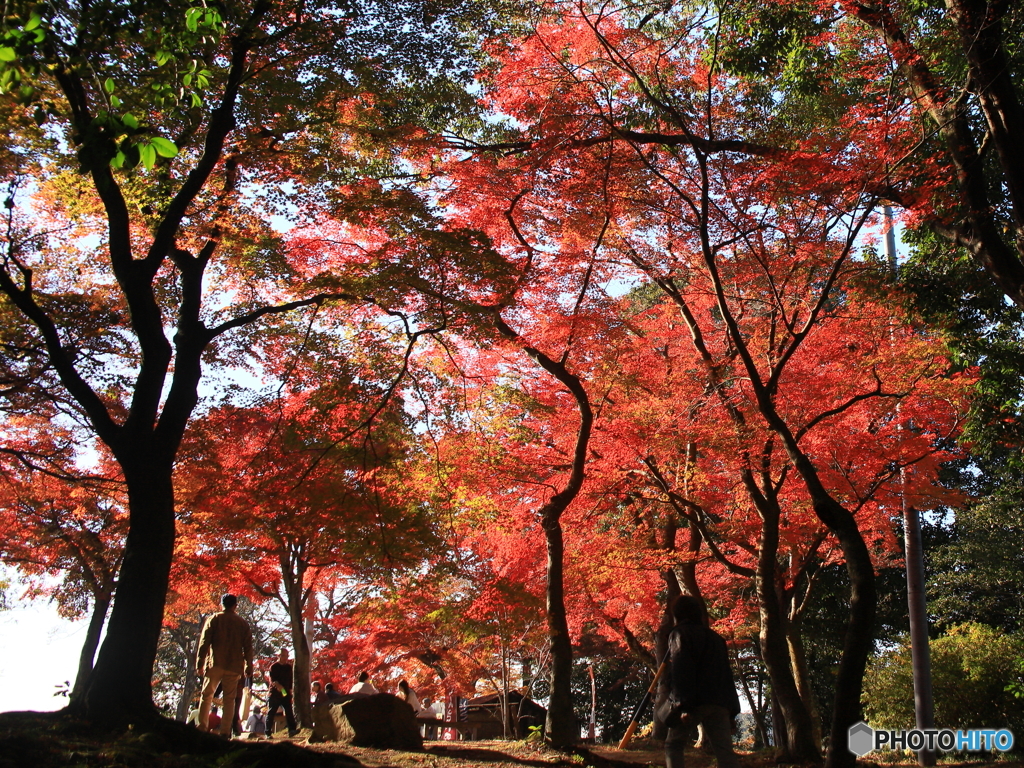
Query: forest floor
pixel 52 740
pixel 519 754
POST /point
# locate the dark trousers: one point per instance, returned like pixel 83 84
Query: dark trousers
pixel 717 729
pixel 278 700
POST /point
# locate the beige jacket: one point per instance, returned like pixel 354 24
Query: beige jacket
pixel 226 643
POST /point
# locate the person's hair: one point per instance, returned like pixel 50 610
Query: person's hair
pixel 329 687
pixel 403 684
pixel 687 610
pixel 229 601
pixel 364 676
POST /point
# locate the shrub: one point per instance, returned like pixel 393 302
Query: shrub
pixel 975 670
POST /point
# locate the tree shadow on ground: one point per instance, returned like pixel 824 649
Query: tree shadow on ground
pixel 491 755
pixel 58 740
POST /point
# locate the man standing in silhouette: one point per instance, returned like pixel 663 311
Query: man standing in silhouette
pixel 225 653
pixel 281 693
pixel 701 685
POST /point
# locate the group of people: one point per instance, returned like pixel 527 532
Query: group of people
pixel 364 687
pixel 321 692
pixel 224 662
pixel 702 690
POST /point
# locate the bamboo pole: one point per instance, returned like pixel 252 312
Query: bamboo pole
pixel 628 737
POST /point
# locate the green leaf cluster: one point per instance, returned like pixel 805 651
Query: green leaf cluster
pixel 972 666
pixel 822 627
pixel 136 66
pixel 619 680
pixel 982 330
pixel 123 142
pixel 975 575
pixel 794 82
pixel 24 34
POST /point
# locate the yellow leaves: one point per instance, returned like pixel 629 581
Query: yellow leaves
pixel 70 195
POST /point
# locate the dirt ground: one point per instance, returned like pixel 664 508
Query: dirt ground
pixel 51 740
pixel 518 754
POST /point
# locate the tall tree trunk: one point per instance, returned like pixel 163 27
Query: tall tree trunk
pixel 101 604
pixel 860 627
pixel 778 724
pixel 561 729
pixel 187 639
pixel 293 573
pixel 507 728
pixel 795 600
pixel 300 685
pixel 796 741
pixel 120 686
pixel 802 676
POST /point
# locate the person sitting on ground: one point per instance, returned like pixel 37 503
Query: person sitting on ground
pixel 256 725
pixel 332 693
pixel 364 686
pixel 316 692
pixel 408 695
pixel 429 709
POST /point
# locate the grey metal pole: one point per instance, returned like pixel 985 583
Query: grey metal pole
pixel 913 549
pixel 920 655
